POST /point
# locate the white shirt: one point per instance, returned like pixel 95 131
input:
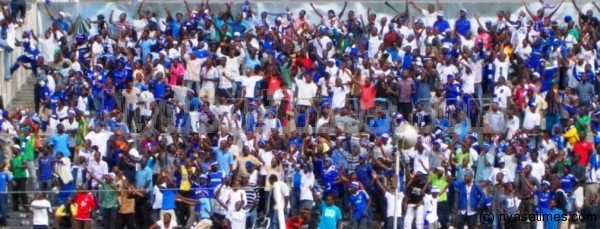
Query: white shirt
pixel 100 140
pixel 501 95
pixel 234 197
pixel 306 92
pixel 47 48
pixel 512 125
pixel 537 169
pixel 40 209
pixel 374 44
pixel 249 85
pixel 172 224
pixel 157 198
pixel 147 98
pixel 237 218
pixel 211 74
pixel 531 120
pixel 321 45
pixel 284 191
pixel 338 100
pixel 97 170
pixel 444 71
pixel 429 18
pixel 501 69
pixel 394 204
pixel 307 181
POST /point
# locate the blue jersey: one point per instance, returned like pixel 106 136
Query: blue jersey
pixel 453 92
pixel 31 50
pixel 568 182
pixel 544 199
pixel 215 179
pixel 330 175
pixel 359 201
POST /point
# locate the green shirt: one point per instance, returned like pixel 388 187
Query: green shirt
pixel 440 183
pixel 110 196
pixel 29 147
pixel 16 165
pixel 582 123
pixel 460 156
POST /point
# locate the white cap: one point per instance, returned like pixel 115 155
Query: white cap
pixel 236 34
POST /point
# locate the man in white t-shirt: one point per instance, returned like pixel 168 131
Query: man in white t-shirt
pixel 307 90
pixel 502 93
pixel 249 83
pixel 41 208
pixel 429 14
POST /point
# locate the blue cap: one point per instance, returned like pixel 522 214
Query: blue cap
pixel 354 184
pixel 568 19
pixel 249 164
pixel 485 146
pixel 545 183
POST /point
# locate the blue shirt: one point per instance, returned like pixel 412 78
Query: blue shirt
pixel 359 201
pixel 160 89
pixel 568 182
pixel 556 218
pixel 5 179
pixel 60 143
pixel 215 179
pixel 46 168
pixel 169 195
pixel 330 215
pixel 463 26
pixel 330 175
pixel 225 159
pixel 544 199
pixel 142 177
pixel 363 174
pixel 441 25
pixel 146 46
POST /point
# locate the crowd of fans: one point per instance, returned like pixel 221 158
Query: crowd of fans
pixel 220 116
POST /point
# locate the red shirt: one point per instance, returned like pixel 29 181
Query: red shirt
pixel 367 97
pixel 583 150
pixel 274 84
pixel 86 203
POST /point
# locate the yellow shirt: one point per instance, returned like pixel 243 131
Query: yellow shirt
pixel 572 136
pixel 185 185
pixel 61 211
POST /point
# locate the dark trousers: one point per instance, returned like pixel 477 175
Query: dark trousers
pixel 17 7
pixel 20 192
pixel 468 220
pixel 183 211
pixel 443 210
pixel 126 220
pixel 406 110
pixel 110 217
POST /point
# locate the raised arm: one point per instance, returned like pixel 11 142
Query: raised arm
pixel 187 7
pixel 577 7
pixel 111 16
pixel 316 11
pixel 531 14
pixel 596 5
pixel 139 11
pixel 343 10
pixel 415 6
pixel 439 5
pixel 555 9
pixel 47 10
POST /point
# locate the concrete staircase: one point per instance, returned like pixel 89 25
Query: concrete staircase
pixel 24 97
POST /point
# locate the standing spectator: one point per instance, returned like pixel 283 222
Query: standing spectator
pixel 18 166
pixel 6 179
pixel 41 209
